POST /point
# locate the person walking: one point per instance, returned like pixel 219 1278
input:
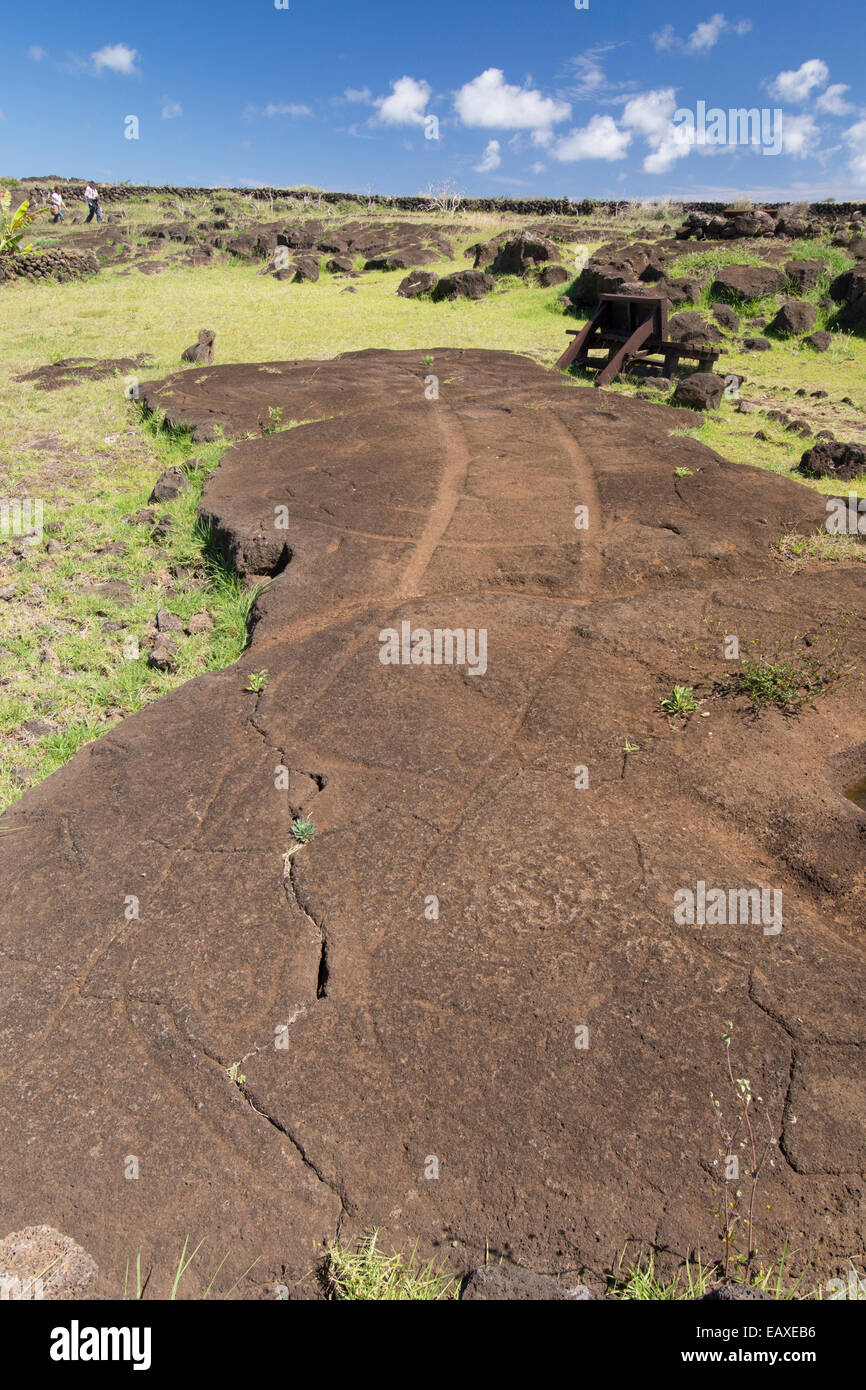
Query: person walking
pixel 57 206
pixel 91 194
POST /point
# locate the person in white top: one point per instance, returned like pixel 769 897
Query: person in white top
pixel 57 206
pixel 91 194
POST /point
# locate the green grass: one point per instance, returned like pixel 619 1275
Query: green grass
pixel 59 657
pixel 368 1274
pixel 642 1283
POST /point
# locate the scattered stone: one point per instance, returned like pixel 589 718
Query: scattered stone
pixel 340 265
pixel 747 281
pixel 795 316
pixel 834 460
pixel 115 589
pixel 700 391
pixel 145 517
pixel 53 547
pixel 525 251
pixel 691 327
pixel 804 275
pixel 553 275
pixel 169 485
pixel 199 622
pixel 64 1270
pixel 465 284
pixel 168 622
pixel 163 654
pixel 724 315
pixel 417 282
pixel 201 351
pixel 746 408
pixel 756 345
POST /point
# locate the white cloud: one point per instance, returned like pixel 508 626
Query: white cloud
pixel 171 109
pixel 538 168
pixel 590 81
pixel 600 139
pixel 116 57
pixel 489 101
pixel 36 53
pixel 407 103
pixel 675 143
pixel 703 38
pixel 833 100
pixel 796 84
pixel 707 35
pixel 491 159
pixel 800 135
pixel 651 114
pixel 362 94
pixel 277 108
pixel 855 139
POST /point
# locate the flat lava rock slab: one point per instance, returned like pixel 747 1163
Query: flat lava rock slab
pixel 383 1033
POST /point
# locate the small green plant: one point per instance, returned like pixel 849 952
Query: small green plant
pixel 257 682
pixel 183 1265
pixel 303 829
pixel 629 747
pixel 740 1145
pixel 779 683
pixel 369 1275
pixel 426 361
pixel 236 1075
pixel 681 701
pixel 683 473
pixel 275 419
pixel 13 225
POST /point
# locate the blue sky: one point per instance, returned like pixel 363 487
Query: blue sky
pixel 499 97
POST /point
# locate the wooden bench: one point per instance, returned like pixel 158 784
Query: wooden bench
pixel 629 328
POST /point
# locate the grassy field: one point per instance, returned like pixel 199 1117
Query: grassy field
pixel 68 668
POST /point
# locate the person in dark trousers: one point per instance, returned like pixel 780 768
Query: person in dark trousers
pixel 57 206
pixel 91 194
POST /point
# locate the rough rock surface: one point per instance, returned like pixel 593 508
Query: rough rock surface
pixel 498 1283
pixel 283 1050
pixel 41 1263
pixel 465 284
pixel 796 316
pixel 71 370
pixel 747 281
pixel 700 391
pixel 834 460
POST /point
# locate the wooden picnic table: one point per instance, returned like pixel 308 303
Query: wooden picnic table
pixel 629 328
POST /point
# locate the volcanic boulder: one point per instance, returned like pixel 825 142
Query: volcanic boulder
pixel 465 284
pixel 796 316
pixel 523 253
pixel 804 275
pixel 417 282
pixel 692 327
pixel 747 282
pixel 834 460
pixel 700 391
